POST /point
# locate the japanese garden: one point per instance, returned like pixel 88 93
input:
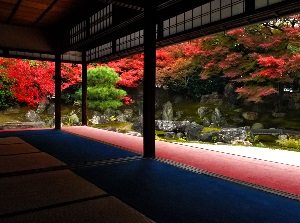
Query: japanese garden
pixel 239 86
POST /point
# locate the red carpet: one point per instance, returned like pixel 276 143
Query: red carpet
pixel 268 174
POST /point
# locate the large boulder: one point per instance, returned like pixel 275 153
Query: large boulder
pixel 171 126
pixel 228 135
pixel 32 116
pixel 193 131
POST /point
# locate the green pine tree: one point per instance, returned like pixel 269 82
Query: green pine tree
pixel 101 91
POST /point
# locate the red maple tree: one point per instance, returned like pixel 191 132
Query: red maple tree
pixel 33 81
pixel 261 58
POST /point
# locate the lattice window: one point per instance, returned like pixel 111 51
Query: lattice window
pixel 264 3
pixel 99 51
pixel 78 33
pixel 74 56
pixel 101 19
pixel 131 40
pixel 31 54
pixel 202 15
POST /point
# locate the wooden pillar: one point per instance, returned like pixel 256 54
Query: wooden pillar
pixel 249 6
pixel 84 89
pixel 149 80
pixel 57 91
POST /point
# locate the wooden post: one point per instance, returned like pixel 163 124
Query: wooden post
pixel 149 80
pixel 57 91
pixel 84 89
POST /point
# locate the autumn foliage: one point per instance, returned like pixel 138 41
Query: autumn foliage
pixel 33 81
pixel 259 59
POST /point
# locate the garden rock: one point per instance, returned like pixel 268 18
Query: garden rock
pixel 41 107
pixel 73 120
pixel 228 135
pixel 32 116
pixel 193 131
pixel 170 135
pixel 251 116
pixel 138 124
pixel 179 135
pixel 167 113
pixel 208 137
pixel 121 118
pixel 206 122
pixel 129 114
pixel 212 98
pixel 109 112
pixel 171 126
pixel 164 125
pixel 217 118
pixel 102 119
pixel 126 116
pixel 202 111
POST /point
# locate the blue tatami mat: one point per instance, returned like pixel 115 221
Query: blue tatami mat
pixel 69 148
pixel 166 193
pixel 163 192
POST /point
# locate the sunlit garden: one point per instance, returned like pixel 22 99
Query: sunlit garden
pixel 239 87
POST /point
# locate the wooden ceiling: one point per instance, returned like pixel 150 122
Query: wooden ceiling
pixel 49 13
pixel 43 26
pixel 54 18
pixel 42 13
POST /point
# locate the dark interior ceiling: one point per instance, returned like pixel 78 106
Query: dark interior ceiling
pixel 45 13
pixel 54 18
pixel 64 13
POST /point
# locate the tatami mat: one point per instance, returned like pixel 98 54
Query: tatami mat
pixel 104 210
pixel 20 148
pixel 160 189
pixel 27 162
pixel 33 191
pixel 235 165
pixel 11 140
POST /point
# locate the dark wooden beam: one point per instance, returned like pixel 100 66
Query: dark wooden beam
pixel 57 91
pixel 122 4
pixel 44 13
pixel 149 80
pixel 13 11
pixel 250 6
pixel 84 89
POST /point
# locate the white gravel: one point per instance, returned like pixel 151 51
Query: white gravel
pixel 272 155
